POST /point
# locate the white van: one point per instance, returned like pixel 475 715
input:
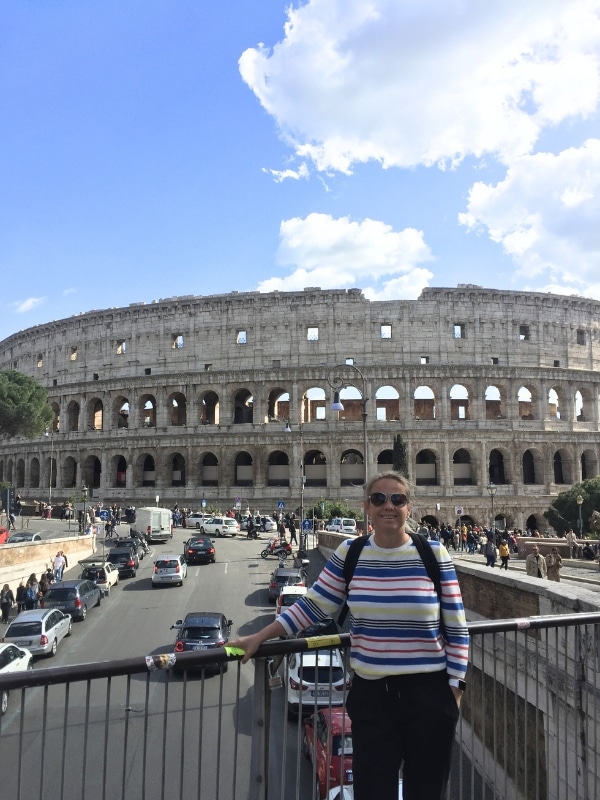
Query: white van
pixel 340 525
pixel 156 524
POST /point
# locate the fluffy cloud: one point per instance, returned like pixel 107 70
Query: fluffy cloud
pixel 428 82
pixel 545 215
pixel 23 306
pixel 333 253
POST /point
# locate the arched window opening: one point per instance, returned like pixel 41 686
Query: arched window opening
pixel 426 472
pixel 387 404
pixel 243 409
pixel 209 470
pixel 244 469
pixel 424 403
pixel 278 469
pixel 461 468
pixel 315 468
pixel 459 402
pixel 352 468
pixel 496 468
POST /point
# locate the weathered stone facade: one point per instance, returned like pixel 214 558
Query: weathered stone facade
pixel 188 397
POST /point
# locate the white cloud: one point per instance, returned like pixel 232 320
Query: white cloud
pixel 23 306
pixel 409 83
pixel 284 174
pixel 68 291
pixel 545 215
pixel 333 253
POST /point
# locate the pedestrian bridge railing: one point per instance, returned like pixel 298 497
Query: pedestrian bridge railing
pixel 135 730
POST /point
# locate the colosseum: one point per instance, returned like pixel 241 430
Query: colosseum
pixel 228 398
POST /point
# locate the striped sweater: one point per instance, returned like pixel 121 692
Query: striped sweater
pixel 394 611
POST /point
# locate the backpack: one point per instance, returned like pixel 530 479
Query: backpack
pixel 429 561
pixel 30 593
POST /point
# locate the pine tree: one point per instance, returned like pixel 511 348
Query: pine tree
pixel 399 456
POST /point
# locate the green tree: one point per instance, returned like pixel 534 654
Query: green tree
pixel 24 408
pixel 400 457
pixel 564 511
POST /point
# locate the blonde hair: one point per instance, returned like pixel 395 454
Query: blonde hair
pixel 390 475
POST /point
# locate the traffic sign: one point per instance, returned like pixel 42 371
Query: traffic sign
pixel 306 525
pixel 280 504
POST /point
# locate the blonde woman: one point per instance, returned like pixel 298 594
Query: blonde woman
pixel 554 565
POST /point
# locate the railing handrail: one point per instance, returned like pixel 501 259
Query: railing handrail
pixel 280 647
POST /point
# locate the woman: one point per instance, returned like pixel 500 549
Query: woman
pixel 21 597
pixel 32 589
pixel 553 565
pixel 408 681
pixel 7 600
pixel 504 553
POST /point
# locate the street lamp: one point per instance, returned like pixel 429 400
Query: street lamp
pixel 492 489
pixel 51 435
pixel 303 533
pixel 338 383
pixel 580 503
pixel 84 490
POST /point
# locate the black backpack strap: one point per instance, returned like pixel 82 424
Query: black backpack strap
pixel 350 563
pixel 432 567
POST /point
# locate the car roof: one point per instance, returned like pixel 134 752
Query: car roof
pixel 68 584
pixel 298 590
pixel 287 571
pixel 202 617
pixel 337 719
pixel 169 556
pixel 32 614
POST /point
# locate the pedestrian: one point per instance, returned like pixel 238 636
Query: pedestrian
pixel 32 591
pixel 554 565
pixel 504 553
pixel 7 601
pixel 292 529
pixel 489 551
pixel 535 564
pixel 408 678
pixel 572 542
pixel 281 531
pixel 11 521
pixel 58 566
pixel 21 597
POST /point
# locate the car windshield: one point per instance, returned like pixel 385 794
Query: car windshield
pixel 341 745
pixel 289 599
pixel 60 594
pixel 348 522
pixel 24 629
pixel 323 674
pixel 200 632
pixel 167 563
pixel 116 557
pixel 93 573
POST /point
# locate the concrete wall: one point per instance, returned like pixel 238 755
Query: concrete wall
pixel 18 561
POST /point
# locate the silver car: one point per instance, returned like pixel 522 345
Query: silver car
pixel 40 630
pixel 169 569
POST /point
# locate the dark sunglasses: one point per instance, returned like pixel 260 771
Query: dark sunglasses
pixel 379 498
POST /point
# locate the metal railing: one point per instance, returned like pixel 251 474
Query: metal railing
pixel 135 730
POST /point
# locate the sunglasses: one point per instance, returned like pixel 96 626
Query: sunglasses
pixel 379 498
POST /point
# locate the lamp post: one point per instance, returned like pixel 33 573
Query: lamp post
pixel 84 490
pixel 579 504
pixel 492 489
pixel 303 533
pixel 51 435
pixel 338 383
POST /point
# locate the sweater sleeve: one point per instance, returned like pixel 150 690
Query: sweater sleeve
pixel 452 609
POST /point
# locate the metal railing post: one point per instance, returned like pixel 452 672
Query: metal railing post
pixel 261 713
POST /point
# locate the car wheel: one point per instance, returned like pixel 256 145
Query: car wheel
pixel 83 613
pixel 53 649
pixel 30 665
pixel 201 528
pixel 218 533
pixel 4 702
pixel 197 525
pixel 134 573
pixel 98 601
pixel 70 628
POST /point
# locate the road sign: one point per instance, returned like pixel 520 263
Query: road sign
pixel 280 504
pixel 306 525
pixel 459 511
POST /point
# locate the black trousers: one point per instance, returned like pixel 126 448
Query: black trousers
pixel 406 721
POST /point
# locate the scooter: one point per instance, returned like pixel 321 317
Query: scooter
pixel 277 548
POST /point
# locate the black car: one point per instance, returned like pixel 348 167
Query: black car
pixel 134 544
pixel 125 560
pixel 73 597
pixel 199 550
pixel 202 630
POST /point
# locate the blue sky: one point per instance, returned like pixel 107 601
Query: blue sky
pixel 173 147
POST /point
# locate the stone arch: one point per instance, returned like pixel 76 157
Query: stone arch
pixel 351 399
pixel 95 414
pixel 144 470
pixel 426 468
pixel 209 409
pixel 497 467
pixel 278 468
pixel 243 404
pixel 533 467
pixel 424 406
pixel 459 402
pixel 118 472
pixel 243 469
pixel 589 465
pixel 352 468
pixel 120 412
pixel 495 398
pixel 462 468
pixel 527 400
pixel 177 405
pixel 561 464
pixel 208 470
pixel 535 522
pixel 385 459
pixel 147 411
pixel 584 405
pixel 278 404
pixel 92 472
pixel 20 473
pixel 175 470
pixel 73 414
pixel 556 402
pixel 315 468
pixel 69 473
pixel 34 473
pixel 387 404
pixel 313 404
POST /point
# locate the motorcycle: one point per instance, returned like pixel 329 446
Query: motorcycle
pixel 277 548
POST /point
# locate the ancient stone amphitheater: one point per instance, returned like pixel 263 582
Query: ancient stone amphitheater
pixel 189 398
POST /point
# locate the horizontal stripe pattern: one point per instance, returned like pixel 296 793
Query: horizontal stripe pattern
pixel 394 611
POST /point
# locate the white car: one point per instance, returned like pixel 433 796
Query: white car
pixel 315 678
pixel 220 526
pixel 287 597
pixel 196 518
pixel 342 525
pixel 101 572
pixel 169 569
pixel 12 659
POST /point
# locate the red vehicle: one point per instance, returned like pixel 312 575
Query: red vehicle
pixel 3 535
pixel 327 743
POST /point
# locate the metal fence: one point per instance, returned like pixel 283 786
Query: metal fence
pixel 135 730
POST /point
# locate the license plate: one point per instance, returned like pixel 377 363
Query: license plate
pixel 320 693
pixel 24 643
pixel 200 647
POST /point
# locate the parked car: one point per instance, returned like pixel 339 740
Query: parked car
pixel 196 518
pixel 23 538
pixel 101 572
pixel 287 597
pixel 266 524
pixel 327 742
pixel 134 544
pixel 220 526
pixel 169 569
pixel 342 525
pixel 199 550
pixel 3 535
pixel 40 630
pixel 12 659
pixel 315 677
pixel 73 597
pixel 125 560
pixel 284 576
pixel 202 630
